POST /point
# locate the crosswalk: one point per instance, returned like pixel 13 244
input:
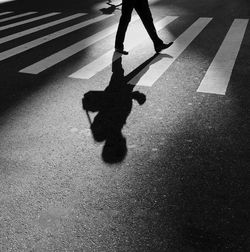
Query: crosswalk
pixel 3 13
pixel 136 38
pixel 69 51
pixel 160 65
pixel 22 25
pixel 27 21
pixel 219 72
pixel 16 16
pixel 39 28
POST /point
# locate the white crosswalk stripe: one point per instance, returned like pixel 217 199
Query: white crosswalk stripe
pixel 17 16
pixel 161 64
pixel 215 80
pixel 218 75
pixel 70 51
pixel 27 21
pixel 39 28
pixel 34 43
pixel 4 13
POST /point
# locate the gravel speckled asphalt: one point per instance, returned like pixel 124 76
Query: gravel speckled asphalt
pixel 173 174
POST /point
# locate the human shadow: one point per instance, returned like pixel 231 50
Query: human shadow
pixel 114 105
pixel 111 9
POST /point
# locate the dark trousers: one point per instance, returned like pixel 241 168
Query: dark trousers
pixel 142 8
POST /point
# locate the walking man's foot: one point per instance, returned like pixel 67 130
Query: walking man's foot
pixel 162 46
pixel 121 51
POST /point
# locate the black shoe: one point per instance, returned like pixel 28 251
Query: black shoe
pixel 158 48
pixel 121 51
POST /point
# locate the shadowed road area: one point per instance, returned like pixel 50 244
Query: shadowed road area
pixel 104 152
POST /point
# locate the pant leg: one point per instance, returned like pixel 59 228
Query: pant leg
pixel 127 8
pixel 142 8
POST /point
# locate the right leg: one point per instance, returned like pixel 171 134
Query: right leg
pixel 127 8
pixel 142 8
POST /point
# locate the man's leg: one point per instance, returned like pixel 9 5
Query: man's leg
pixel 142 8
pixel 127 8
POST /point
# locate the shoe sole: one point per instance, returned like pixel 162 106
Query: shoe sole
pixel 121 51
pixel 168 45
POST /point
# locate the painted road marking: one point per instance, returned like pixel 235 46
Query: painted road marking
pixel 159 65
pixel 219 72
pixel 53 59
pixel 39 28
pixel 154 1
pixel 17 16
pixel 117 2
pixel 4 13
pixel 136 37
pixel 27 46
pixel 27 21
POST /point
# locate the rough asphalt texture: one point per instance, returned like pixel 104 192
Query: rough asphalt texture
pixel 183 184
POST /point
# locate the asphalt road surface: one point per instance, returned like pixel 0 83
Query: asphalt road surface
pixel 104 152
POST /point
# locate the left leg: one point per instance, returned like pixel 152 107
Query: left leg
pixel 127 8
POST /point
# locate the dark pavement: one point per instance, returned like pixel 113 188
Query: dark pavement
pixel 163 168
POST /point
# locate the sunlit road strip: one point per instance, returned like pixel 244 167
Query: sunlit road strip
pixel 17 16
pixel 52 60
pixel 39 28
pixel 117 2
pixel 219 72
pixel 135 38
pixel 28 21
pixel 160 64
pixel 4 13
pixel 27 46
pixel 153 1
